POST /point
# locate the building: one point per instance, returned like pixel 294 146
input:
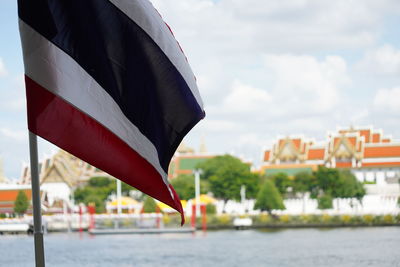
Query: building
pixel 8 195
pixel 370 155
pixel 186 159
pixel 59 175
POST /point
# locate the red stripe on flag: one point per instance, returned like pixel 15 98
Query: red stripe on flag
pixel 62 124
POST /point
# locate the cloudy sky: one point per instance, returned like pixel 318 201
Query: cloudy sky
pixel 264 69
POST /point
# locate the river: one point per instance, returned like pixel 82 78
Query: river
pixel 345 247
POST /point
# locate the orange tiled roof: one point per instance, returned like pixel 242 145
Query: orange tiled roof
pixel 376 138
pixel 336 140
pixel 343 164
pixel 382 164
pixel 382 151
pixel 296 143
pixel 11 195
pixel 266 155
pixel 314 154
pixel 281 141
pixel 352 141
pixel 386 140
pixel 366 134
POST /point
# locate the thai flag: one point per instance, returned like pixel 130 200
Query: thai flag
pixel 107 81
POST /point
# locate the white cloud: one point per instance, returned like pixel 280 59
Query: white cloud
pixel 302 84
pixel 251 139
pixel 3 70
pixel 15 135
pixel 216 125
pixel 388 100
pixel 245 99
pixel 12 94
pixel 245 28
pixel 384 59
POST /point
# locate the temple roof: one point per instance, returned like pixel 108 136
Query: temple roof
pixel 362 146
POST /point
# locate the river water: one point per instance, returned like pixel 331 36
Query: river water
pixel 345 247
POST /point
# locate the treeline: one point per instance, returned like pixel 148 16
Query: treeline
pixel 223 176
pixel 97 191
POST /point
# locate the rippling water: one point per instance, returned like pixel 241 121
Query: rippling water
pixel 292 247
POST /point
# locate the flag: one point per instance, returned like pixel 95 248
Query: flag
pixel 107 81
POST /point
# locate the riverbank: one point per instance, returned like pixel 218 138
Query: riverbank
pixel 225 221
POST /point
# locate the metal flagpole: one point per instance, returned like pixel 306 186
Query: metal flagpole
pixel 37 216
pixel 119 211
pixel 197 190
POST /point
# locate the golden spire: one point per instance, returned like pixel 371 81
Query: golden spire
pixel 203 147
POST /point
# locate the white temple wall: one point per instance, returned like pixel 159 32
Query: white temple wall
pixel 56 191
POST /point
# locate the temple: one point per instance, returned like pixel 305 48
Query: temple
pixel 186 160
pixel 59 176
pixel 371 156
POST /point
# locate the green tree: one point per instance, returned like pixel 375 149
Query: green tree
pixel 149 205
pixel 97 190
pixel 349 186
pixel 99 181
pixel 325 202
pixel 282 182
pixel 185 187
pixel 269 198
pixel 328 180
pixel 211 209
pixel 226 174
pixel 339 184
pixel 211 166
pixel 97 201
pixel 21 203
pixel 302 183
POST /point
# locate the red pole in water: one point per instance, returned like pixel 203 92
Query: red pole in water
pixel 80 218
pixel 158 217
pixel 204 217
pixel 194 216
pixel 92 210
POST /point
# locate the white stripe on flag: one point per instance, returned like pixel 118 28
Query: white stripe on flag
pixel 145 15
pixel 56 71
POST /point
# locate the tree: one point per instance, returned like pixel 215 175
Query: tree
pixel 303 182
pixel 99 181
pixel 185 187
pixel 349 187
pixel 97 190
pixel 226 174
pixel 338 184
pixel 269 198
pixel 325 202
pixel 149 205
pixel 97 201
pixel 252 184
pixel 21 203
pixel 211 209
pixel 328 180
pixel 282 182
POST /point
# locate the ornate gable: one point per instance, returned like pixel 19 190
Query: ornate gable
pixel 289 150
pixel 54 175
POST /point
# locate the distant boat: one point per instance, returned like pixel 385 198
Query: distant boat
pixel 15 228
pixel 242 223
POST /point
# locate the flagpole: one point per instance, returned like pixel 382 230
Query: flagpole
pixel 197 190
pixel 37 216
